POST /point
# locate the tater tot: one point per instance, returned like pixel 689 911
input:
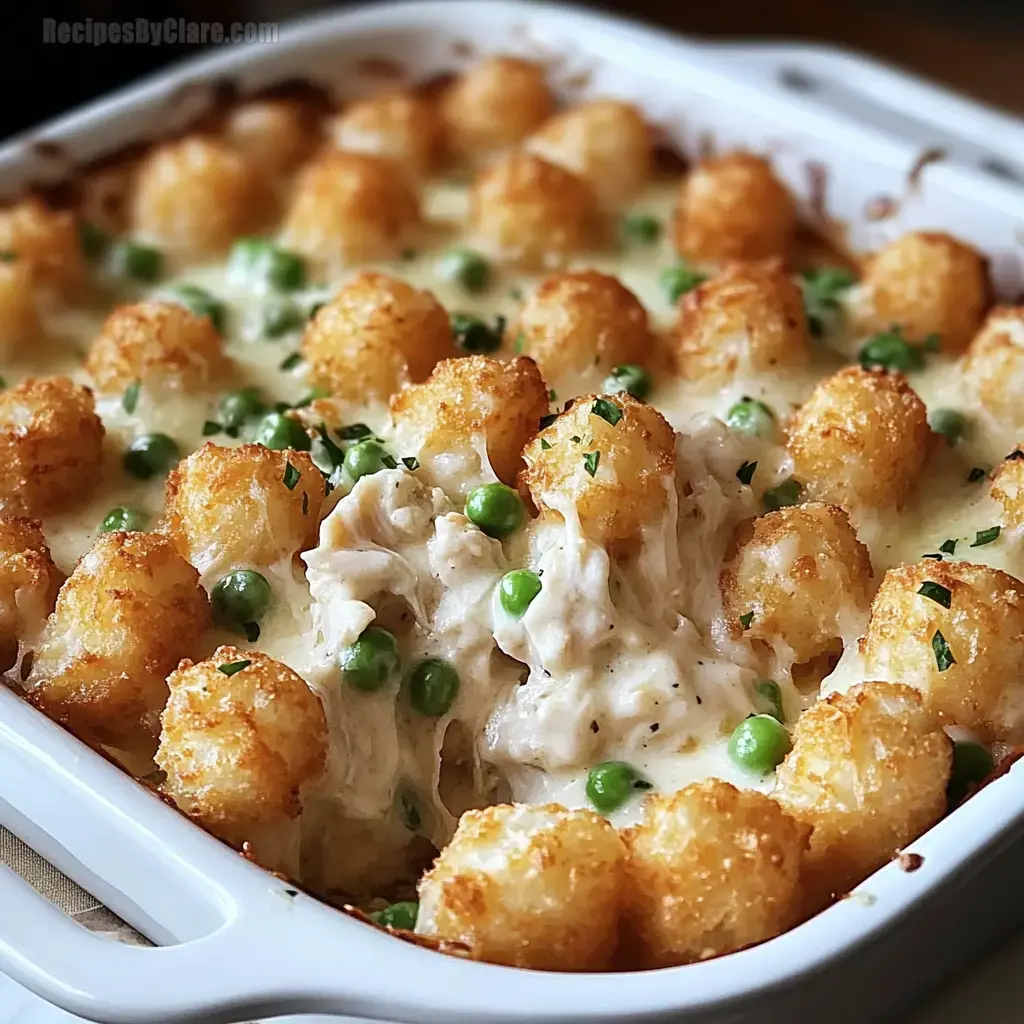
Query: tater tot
pixel 51 444
pixel 274 135
pixel 927 283
pixel 579 320
pixel 747 319
pixel 476 397
pixel 709 870
pixel 861 439
pixel 399 125
pixel 47 242
pixel 19 317
pixel 993 365
pixel 29 582
pixel 536 887
pixel 733 207
pixel 493 105
pixel 868 771
pixel 804 575
pixel 233 507
pixel 375 335
pixel 194 197
pixel 526 211
pixel 158 344
pixel 350 207
pixel 615 476
pixel 1008 488
pixel 129 612
pixel 239 747
pixel 912 637
pixel 606 142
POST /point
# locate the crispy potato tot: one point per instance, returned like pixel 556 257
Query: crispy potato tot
pixel 240 749
pixel 732 207
pixel 578 320
pixel 195 196
pixel 476 397
pixel 399 125
pixel 1008 488
pixel 861 439
pixel 526 211
pixel 494 105
pixel 19 317
pixel 632 472
pixel 274 135
pixel 868 771
pixel 230 508
pixel 983 630
pixel 375 335
pixel 805 576
pixel 537 887
pixel 129 612
pixel 747 319
pixel 709 870
pixel 993 365
pixel 158 344
pixel 51 445
pixel 927 283
pixel 606 142
pixel 46 241
pixel 29 582
pixel 348 208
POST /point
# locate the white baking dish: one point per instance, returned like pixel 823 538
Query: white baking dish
pixel 235 942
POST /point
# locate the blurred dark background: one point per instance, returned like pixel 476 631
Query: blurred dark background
pixel 973 45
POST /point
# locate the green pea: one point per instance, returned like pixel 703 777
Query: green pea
pixel 629 377
pixel 466 267
pixel 612 783
pixel 758 744
pixel 640 228
pixel 366 458
pixel 496 508
pixel 124 519
pixel 972 764
pixel 150 455
pixel 279 316
pixel 202 303
pixel 398 915
pixel 369 662
pixel 433 687
pixel 750 416
pixel 472 335
pixel 891 351
pixel 240 597
pixel 950 423
pixel 278 431
pixel 137 262
pixel 823 289
pixel 260 261
pixel 237 407
pixel 517 589
pixel 785 494
pixel 678 280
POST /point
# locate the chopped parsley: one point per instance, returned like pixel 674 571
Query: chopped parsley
pixel 388 461
pixel 233 667
pixel 354 432
pixel 608 411
pixel 822 289
pixel 211 427
pixel 891 351
pixel 785 494
pixel 590 461
pixel 575 438
pixel 943 655
pixel 678 280
pixel 411 462
pixel 1014 456
pixel 8 256
pixel 545 444
pixel 520 343
pixel 948 547
pixel 130 398
pixel 936 592
pixel 983 537
pixel 976 474
pixel 746 473
pixel 546 421
pixel 291 476
pixel 552 395
pixel 290 362
pixel 471 334
pixel 252 631
pixel 746 619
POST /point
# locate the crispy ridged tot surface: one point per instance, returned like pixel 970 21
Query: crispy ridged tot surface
pixel 860 440
pixel 157 344
pixel 19 318
pixel 129 612
pixel 275 135
pixel 47 242
pixel 375 335
pixel 632 467
pixel 927 283
pixel 803 574
pixel 195 196
pixel 709 870
pixel 868 771
pixel 1008 487
pixel 749 319
pixel 536 887
pixel 733 207
pixel 993 365
pixel 476 397
pixel 29 582
pixel 242 736
pixel 51 443
pixel 983 689
pixel 399 125
pixel 232 507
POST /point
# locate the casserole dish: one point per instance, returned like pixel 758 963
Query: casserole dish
pixel 211 909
